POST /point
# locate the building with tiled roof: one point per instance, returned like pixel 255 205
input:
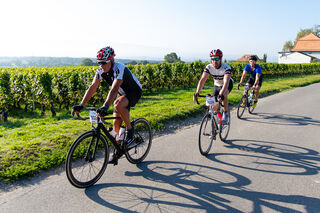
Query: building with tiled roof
pixel 245 58
pixel 305 49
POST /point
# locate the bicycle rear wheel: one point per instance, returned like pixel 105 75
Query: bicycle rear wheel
pixel 206 134
pixel 139 148
pixel 241 106
pixel 87 159
pixel 224 130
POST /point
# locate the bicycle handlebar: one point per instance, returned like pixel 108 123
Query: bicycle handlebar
pixel 92 109
pixel 204 96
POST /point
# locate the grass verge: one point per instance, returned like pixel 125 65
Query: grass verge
pixel 30 143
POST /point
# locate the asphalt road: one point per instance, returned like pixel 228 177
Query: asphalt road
pixel 270 163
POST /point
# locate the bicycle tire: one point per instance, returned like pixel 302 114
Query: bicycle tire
pixel 250 108
pixel 241 109
pixel 77 162
pixel 206 136
pixel 224 130
pixel 138 150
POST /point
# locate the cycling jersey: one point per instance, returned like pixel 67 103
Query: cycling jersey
pixel 257 69
pixel 120 71
pixel 218 74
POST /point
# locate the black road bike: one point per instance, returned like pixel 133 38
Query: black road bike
pixel 246 101
pixel 211 125
pixel 88 156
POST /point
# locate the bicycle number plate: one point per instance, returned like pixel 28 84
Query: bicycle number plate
pixel 93 116
pixel 210 101
pixel 246 88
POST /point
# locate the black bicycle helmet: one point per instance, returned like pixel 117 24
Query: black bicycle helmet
pixel 253 57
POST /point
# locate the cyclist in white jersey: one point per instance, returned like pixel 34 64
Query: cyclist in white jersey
pixel 122 82
pixel 223 82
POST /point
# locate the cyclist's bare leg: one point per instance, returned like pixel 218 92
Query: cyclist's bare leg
pixel 117 123
pixel 120 105
pixel 256 93
pixel 225 102
pixel 215 107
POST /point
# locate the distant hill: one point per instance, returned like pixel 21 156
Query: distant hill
pixel 53 61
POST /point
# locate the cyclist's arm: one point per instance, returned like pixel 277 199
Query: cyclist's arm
pixel 243 76
pixel 226 80
pixel 202 81
pixel 258 76
pixel 90 91
pixel 113 92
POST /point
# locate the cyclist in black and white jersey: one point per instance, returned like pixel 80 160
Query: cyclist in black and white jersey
pixel 123 83
pixel 223 82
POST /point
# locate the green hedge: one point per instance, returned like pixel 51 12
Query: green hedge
pixel 58 87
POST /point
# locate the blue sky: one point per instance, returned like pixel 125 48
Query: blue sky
pixel 152 28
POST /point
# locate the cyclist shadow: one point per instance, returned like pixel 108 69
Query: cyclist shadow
pixel 277 157
pixel 186 187
pixel 281 119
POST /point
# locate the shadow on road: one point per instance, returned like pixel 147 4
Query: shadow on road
pixel 281 119
pixel 184 187
pixel 279 158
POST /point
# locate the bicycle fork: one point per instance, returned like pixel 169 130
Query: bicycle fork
pixel 92 156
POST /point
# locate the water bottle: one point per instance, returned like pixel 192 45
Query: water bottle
pixel 112 132
pixel 121 132
pixel 219 117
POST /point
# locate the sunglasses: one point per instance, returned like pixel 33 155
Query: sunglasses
pixel 103 63
pixel 215 59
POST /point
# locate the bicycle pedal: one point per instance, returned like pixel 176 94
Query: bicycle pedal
pixel 114 161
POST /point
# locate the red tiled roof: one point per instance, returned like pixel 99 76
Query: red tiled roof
pixel 310 42
pixel 246 57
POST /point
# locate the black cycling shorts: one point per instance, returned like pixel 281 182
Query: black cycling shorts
pixel 133 97
pixel 252 80
pixel 217 89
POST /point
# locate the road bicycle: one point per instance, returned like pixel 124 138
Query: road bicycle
pixel 246 101
pixel 211 125
pixel 88 156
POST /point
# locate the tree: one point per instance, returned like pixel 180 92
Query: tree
pixel 303 32
pixel 264 57
pixel 172 58
pixel 144 62
pixel 133 62
pixel 87 62
pixel 314 60
pixel 287 46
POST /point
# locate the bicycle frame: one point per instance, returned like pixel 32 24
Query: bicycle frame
pixel 247 94
pixel 212 113
pixel 101 126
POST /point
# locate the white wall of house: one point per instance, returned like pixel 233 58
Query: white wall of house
pixel 313 54
pixel 292 58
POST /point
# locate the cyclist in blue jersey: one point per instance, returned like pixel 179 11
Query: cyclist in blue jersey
pixel 255 79
pixel 123 83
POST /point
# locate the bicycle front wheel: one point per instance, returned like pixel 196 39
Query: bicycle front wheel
pixel 139 148
pixel 241 106
pixel 224 130
pixel 250 108
pixel 206 134
pixel 87 159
